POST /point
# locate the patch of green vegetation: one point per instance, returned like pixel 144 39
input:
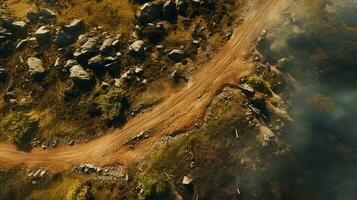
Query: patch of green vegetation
pixel 79 191
pixel 19 127
pixel 112 104
pixel 154 186
pixel 259 84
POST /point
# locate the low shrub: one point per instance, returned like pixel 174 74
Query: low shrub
pixel 19 128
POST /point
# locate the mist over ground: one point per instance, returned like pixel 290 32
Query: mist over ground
pixel 319 45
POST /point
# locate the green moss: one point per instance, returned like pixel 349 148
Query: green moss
pixel 112 104
pixel 259 84
pixel 79 191
pixel 19 127
pixel 154 186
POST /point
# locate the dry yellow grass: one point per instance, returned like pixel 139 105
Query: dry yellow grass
pixel 109 14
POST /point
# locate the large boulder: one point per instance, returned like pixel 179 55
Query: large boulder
pixel 43 35
pixel 137 48
pixel 79 75
pixel 149 12
pixel 177 55
pixel 36 68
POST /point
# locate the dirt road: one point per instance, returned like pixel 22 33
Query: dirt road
pixel 178 111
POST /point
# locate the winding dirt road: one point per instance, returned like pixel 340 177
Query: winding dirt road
pixel 178 111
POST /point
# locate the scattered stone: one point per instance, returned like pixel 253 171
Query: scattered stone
pixel 36 68
pixel 177 55
pixel 150 12
pixel 187 180
pixel 43 35
pixel 95 62
pixel 33 16
pixel 246 89
pixel 79 75
pixel 141 136
pixel 169 10
pixel 138 71
pixel 3 75
pixel 47 14
pixel 107 46
pixel 181 6
pixel 137 48
pixel 21 45
pixel 19 28
pixel 76 27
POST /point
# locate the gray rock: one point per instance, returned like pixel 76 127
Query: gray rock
pixel 63 38
pixel 43 35
pixel 187 180
pixel 3 75
pixel 137 48
pixel 76 27
pixel 33 16
pixel 36 68
pixel 96 62
pixel 107 46
pixel 19 28
pixel 177 55
pixel 150 12
pixel 90 44
pixel 169 10
pixel 22 44
pixel 69 64
pixel 181 6
pixel 79 75
pixel 139 71
pixel 47 14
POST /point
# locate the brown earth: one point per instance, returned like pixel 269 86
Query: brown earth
pixel 178 111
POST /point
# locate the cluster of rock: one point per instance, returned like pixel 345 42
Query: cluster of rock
pixel 37 175
pixel 106 173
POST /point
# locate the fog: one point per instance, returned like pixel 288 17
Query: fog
pixel 319 41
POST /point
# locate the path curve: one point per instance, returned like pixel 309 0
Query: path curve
pixel 178 111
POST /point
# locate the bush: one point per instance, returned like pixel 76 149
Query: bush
pixel 19 128
pixel 79 191
pixel 112 104
pixel 154 187
pixel 259 84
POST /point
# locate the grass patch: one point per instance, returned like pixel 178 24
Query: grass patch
pixel 79 191
pixel 19 128
pixel 112 105
pixel 259 84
